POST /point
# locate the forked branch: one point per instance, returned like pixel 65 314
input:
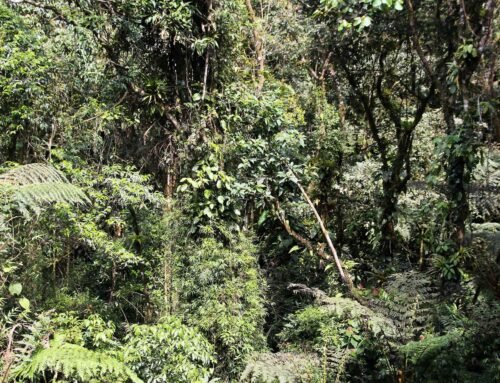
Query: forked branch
pixel 346 278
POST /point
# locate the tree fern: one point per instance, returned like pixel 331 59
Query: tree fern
pixel 31 186
pixel 71 361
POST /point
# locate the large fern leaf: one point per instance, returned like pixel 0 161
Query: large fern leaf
pixel 410 303
pixel 424 351
pixel 77 363
pixel 29 187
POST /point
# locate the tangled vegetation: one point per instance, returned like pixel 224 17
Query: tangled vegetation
pixel 249 191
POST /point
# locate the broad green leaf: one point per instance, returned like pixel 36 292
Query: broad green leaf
pixel 24 303
pixel 15 288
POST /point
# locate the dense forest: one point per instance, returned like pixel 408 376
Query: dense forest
pixel 249 191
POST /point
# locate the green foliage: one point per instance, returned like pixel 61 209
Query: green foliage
pixel 352 13
pixel 485 201
pixel 31 186
pixel 24 69
pixel 458 355
pixel 344 334
pixel 261 131
pixel 282 367
pixel 168 352
pixel 87 350
pixel 409 299
pixel 349 336
pixel 484 247
pixel 212 190
pixel 426 350
pixel 221 292
pixel 68 362
pixel 156 231
pixel 97 245
pixel 66 348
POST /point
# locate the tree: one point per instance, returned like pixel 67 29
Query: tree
pixel 385 88
pixel 459 58
pixel 195 190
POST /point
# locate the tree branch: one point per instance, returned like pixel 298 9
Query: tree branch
pixel 394 114
pixel 416 42
pixel 370 118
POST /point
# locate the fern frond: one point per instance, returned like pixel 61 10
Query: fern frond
pixel 75 362
pixel 411 302
pixel 422 352
pixel 32 174
pixel 282 367
pixel 31 186
pixel 378 322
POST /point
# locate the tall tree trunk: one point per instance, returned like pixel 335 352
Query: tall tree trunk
pixel 388 219
pixel 457 195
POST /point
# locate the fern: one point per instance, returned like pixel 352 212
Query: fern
pixel 485 202
pixel 424 351
pixel 339 329
pixel 485 245
pixel 374 323
pixel 282 367
pixel 405 311
pixel 410 303
pixel 74 362
pixel 32 174
pixel 344 307
pixel 31 186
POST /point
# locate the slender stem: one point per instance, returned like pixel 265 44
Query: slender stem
pixel 326 235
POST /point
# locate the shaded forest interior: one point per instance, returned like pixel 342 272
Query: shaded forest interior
pixel 249 191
